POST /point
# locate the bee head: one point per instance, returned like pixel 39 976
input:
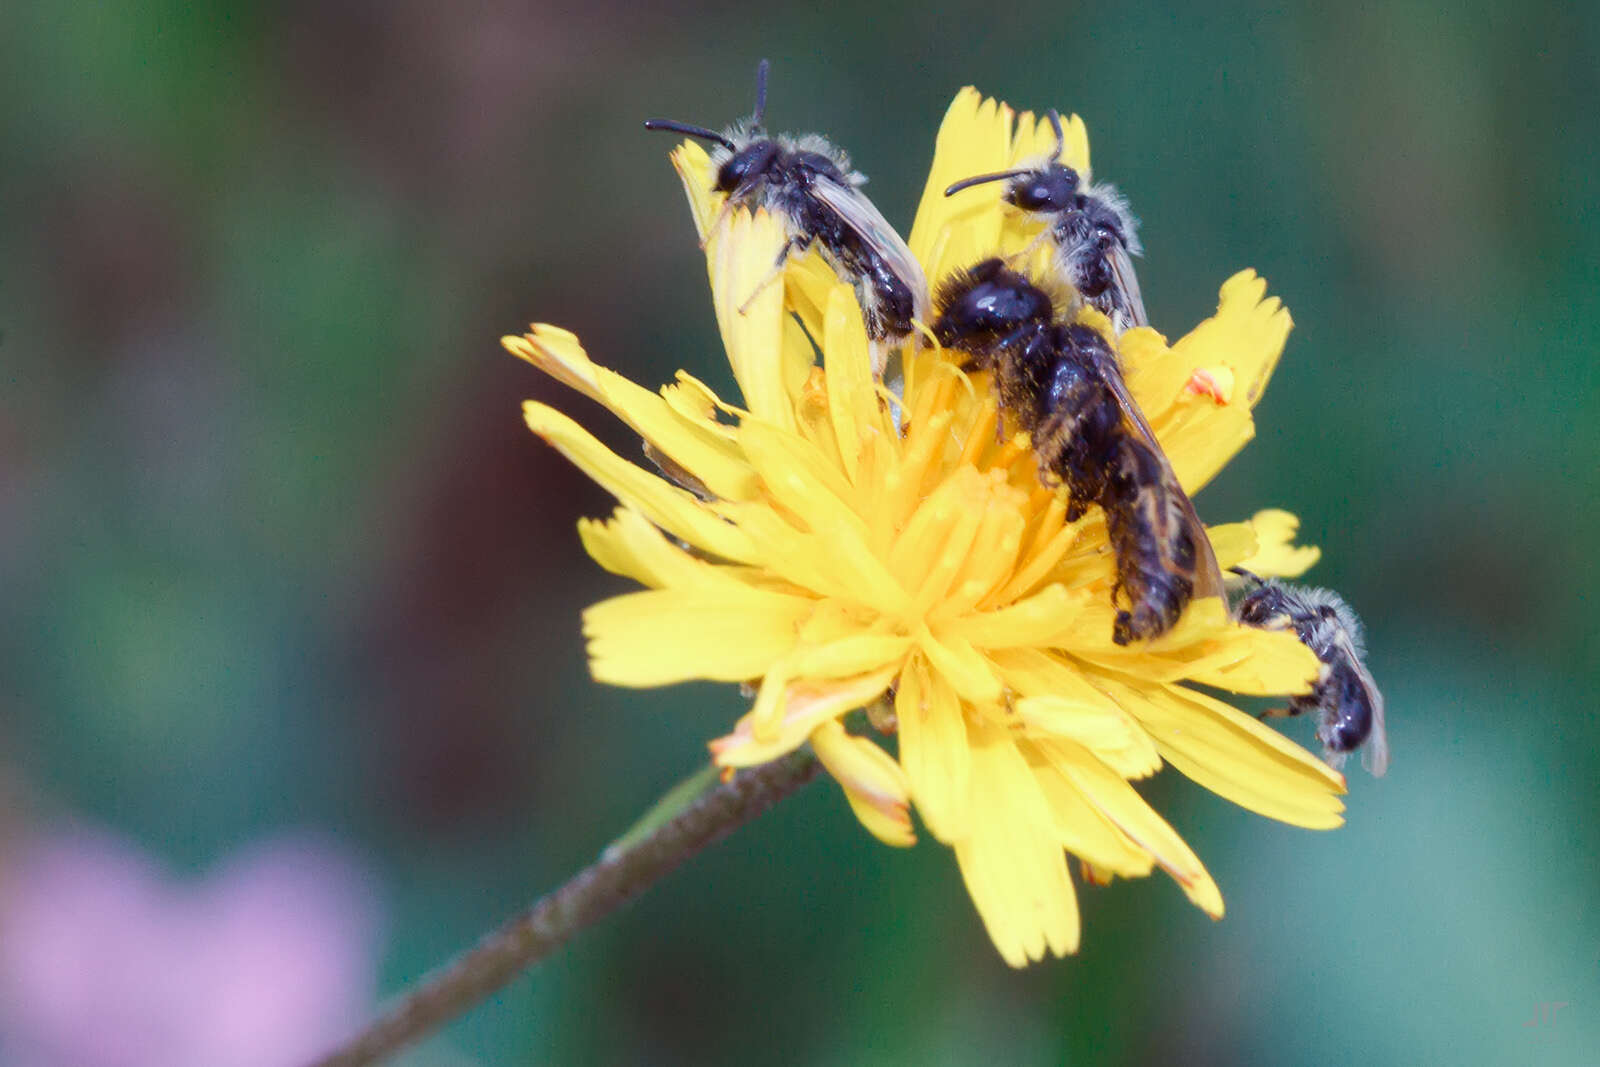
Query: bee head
pixel 1049 188
pixel 747 165
pixel 981 305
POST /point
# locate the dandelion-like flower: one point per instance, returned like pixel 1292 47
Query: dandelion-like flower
pixel 842 549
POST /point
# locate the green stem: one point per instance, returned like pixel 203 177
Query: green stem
pixel 690 817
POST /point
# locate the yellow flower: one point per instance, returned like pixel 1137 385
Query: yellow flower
pixel 840 554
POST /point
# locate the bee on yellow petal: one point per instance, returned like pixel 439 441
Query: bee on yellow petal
pixel 1062 382
pixel 809 183
pixel 967 597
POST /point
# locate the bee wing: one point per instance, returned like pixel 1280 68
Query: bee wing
pixel 863 216
pixel 1208 573
pixel 1375 753
pixel 1127 282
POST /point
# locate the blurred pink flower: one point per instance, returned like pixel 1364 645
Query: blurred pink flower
pixel 107 961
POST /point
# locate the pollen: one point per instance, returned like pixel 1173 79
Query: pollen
pixel 1214 382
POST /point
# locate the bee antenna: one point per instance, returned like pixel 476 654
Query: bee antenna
pixel 762 70
pixel 672 126
pixel 1248 575
pixel 1061 139
pixel 967 183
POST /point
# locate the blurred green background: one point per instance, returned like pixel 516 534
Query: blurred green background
pixel 277 552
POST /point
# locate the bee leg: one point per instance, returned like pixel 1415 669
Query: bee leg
pixel 738 196
pixel 717 223
pixel 1017 259
pixel 1280 713
pixel 790 246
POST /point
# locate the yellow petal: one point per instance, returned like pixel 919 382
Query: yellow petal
pixel 1232 542
pixel 963 666
pixel 1082 828
pixel 1259 663
pixel 628 545
pixel 808 284
pixel 845 656
pixel 873 782
pixel 798 476
pixel 663 636
pixel 806 705
pixel 1276 554
pixel 975 138
pixel 693 443
pixel 1031 622
pixel 1235 756
pixel 1177 388
pixel 1125 807
pixel 693 165
pixel 673 509
pixel 743 255
pixel 852 395
pixel 833 563
pixel 1012 861
pixel 934 749
pixel 1103 728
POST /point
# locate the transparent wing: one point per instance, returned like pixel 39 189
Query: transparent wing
pixel 1127 282
pixel 862 216
pixel 1208 574
pixel 1375 753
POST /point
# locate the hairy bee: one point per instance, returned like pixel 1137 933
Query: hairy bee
pixel 1061 382
pixel 809 184
pixel 1348 704
pixel 1094 233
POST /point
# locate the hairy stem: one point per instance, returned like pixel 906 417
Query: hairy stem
pixel 682 824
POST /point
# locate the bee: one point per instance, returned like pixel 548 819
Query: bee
pixel 809 184
pixel 1094 233
pixel 1062 383
pixel 1348 704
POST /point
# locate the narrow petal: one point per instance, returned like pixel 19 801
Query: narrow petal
pixel 749 305
pixel 1031 622
pixel 691 443
pixel 1125 807
pixel 1233 543
pixel 975 138
pixel 1276 554
pixel 663 636
pixel 693 165
pixel 833 563
pixel 1177 387
pixel 1012 860
pixel 1103 728
pixel 965 668
pixel 628 545
pixel 853 404
pixel 673 509
pixel 1236 756
pixel 846 656
pixel 806 706
pixel 1082 828
pixel 872 781
pixel 934 750
pixel 1259 663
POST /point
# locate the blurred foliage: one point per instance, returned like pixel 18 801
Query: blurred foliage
pixel 278 552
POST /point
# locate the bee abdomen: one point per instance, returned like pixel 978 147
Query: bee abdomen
pixel 1154 547
pixel 1347 709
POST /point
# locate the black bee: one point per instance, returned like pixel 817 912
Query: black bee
pixel 1061 382
pixel 809 184
pixel 1348 704
pixel 1094 233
